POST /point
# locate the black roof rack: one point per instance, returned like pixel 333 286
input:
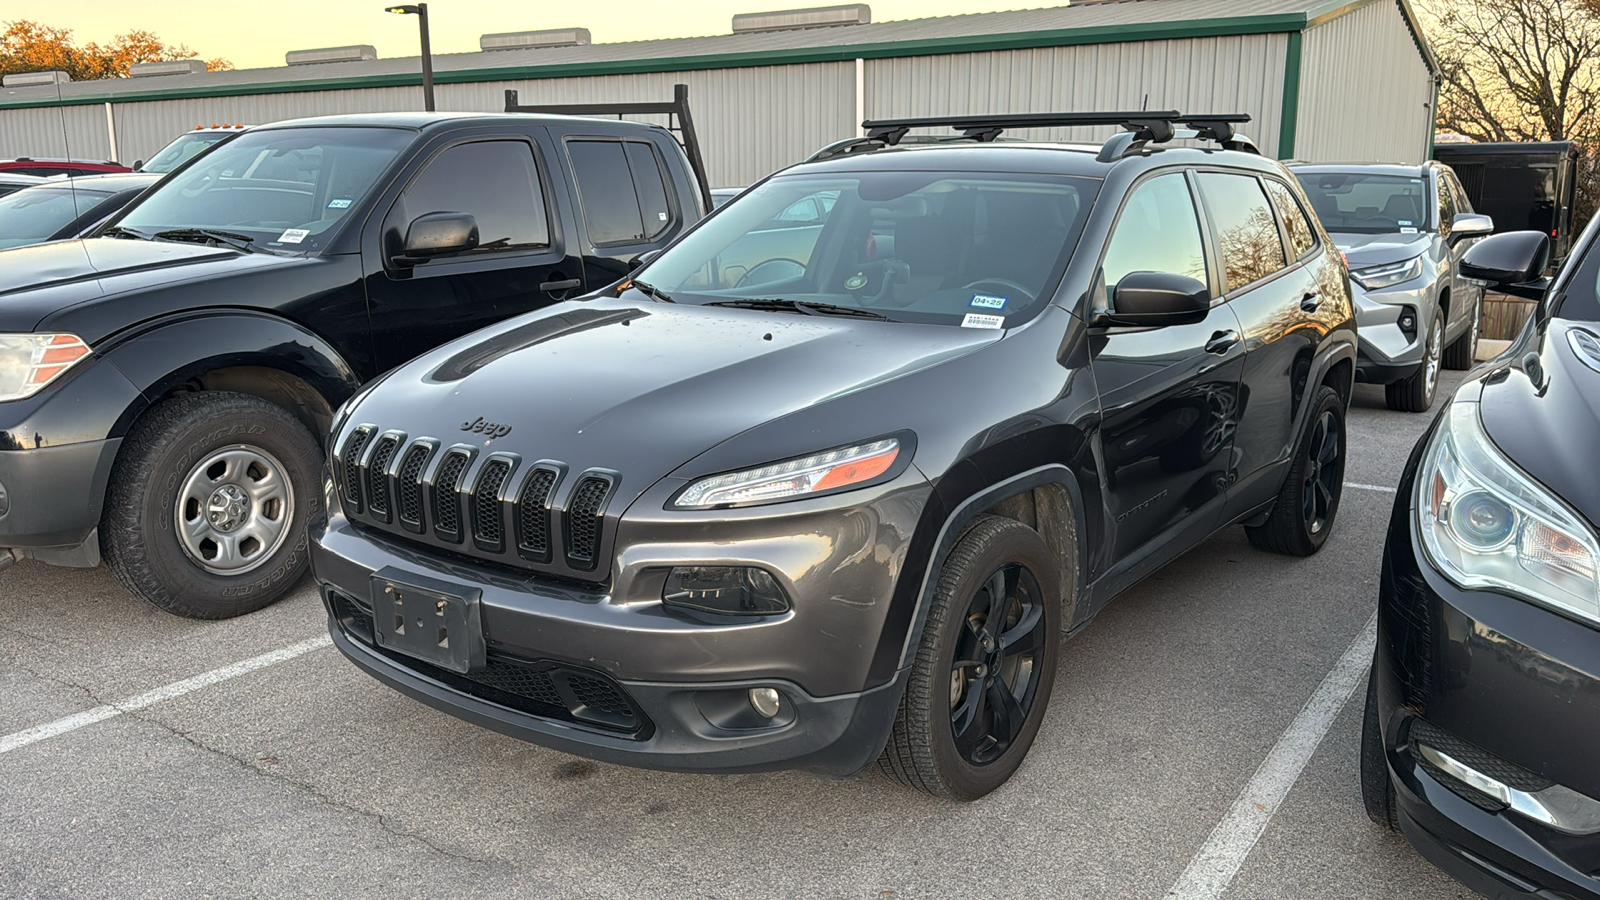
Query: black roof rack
pixel 1140 128
pixel 677 108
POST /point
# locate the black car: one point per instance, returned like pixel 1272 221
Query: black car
pixel 66 208
pixel 164 384
pixel 1483 710
pixel 803 511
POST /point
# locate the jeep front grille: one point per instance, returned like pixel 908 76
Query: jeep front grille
pixel 491 506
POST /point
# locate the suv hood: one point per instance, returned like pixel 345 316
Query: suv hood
pixel 41 279
pixel 1548 421
pixel 642 389
pixel 1365 250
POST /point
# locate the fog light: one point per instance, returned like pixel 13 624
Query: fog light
pixel 724 591
pixel 1408 323
pixel 764 701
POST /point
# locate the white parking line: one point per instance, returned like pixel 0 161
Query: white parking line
pixel 177 689
pixel 1355 485
pixel 1214 867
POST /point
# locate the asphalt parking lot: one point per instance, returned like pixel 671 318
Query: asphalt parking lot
pixel 300 776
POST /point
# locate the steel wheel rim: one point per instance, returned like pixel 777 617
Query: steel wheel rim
pixel 234 510
pixel 1324 478
pixel 998 664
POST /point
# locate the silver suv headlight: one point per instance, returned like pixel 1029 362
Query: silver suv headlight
pixel 1486 524
pixel 1377 278
pixel 29 362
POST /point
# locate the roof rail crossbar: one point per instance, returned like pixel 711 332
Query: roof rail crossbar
pixel 1140 128
pixel 679 122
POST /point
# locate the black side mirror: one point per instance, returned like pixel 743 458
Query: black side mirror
pixel 1152 299
pixel 644 259
pixel 437 234
pixel 1512 263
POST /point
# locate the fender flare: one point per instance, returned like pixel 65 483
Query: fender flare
pixel 1340 347
pixel 145 356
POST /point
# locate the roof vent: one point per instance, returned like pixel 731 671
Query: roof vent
pixel 28 79
pixel 353 53
pixel 794 19
pixel 530 40
pixel 170 67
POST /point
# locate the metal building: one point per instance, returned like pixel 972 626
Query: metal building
pixel 1347 80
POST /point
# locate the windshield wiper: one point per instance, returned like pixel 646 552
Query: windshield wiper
pixel 117 231
pixel 238 242
pixel 650 290
pixel 778 304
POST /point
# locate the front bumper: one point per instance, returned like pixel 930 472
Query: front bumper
pixel 1504 678
pixel 605 671
pixel 1386 353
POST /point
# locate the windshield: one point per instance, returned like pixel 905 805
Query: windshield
pixel 1357 203
pixel 182 149
pixel 33 215
pixel 950 248
pixel 284 189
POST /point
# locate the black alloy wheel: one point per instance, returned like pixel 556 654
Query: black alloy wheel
pixel 995 676
pixel 1323 472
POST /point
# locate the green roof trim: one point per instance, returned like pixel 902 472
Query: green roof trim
pixel 1284 23
pixel 1290 120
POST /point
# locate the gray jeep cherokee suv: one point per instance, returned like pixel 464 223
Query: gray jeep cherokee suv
pixel 837 499
pixel 1404 230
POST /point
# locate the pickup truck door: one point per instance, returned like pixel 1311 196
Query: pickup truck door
pixel 634 194
pixel 524 260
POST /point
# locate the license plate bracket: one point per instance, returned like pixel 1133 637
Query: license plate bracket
pixel 434 621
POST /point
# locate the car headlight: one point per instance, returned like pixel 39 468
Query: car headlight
pixel 29 362
pixel 791 479
pixel 1379 277
pixel 1486 524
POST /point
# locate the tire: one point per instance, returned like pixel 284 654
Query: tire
pixel 204 450
pixel 1307 504
pixel 1415 394
pixel 923 750
pixel 1462 354
pixel 1377 788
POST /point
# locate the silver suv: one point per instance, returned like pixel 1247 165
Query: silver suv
pixel 1404 230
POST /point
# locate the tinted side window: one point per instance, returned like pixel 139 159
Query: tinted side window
pixel 1158 231
pixel 1301 237
pixel 650 187
pixel 623 192
pixel 1447 205
pixel 1246 231
pixel 497 182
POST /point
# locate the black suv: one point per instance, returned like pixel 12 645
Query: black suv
pixel 163 385
pixel 808 489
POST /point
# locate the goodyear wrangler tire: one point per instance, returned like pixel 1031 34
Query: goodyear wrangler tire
pixel 210 498
pixel 983 672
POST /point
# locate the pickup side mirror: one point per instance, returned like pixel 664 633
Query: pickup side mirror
pixel 1512 263
pixel 1470 225
pixel 644 259
pixel 1153 299
pixel 138 165
pixel 437 234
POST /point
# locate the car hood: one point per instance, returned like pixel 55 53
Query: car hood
pixel 642 389
pixel 1546 417
pixel 1366 250
pixel 42 279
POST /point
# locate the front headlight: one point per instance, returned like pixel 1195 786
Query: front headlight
pixel 29 362
pixel 808 475
pixel 1379 277
pixel 1485 524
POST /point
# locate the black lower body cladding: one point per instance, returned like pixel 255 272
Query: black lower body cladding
pixel 604 670
pixel 1510 690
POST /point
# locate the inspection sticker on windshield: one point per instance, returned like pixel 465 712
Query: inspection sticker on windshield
pixel 1408 230
pixel 978 320
pixel 341 203
pixel 989 301
pixel 293 236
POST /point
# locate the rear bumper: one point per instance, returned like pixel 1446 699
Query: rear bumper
pixel 1508 679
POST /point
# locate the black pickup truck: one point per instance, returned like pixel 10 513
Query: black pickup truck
pixel 165 384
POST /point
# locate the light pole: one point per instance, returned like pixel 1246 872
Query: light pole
pixel 420 10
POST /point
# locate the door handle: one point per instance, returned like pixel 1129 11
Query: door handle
pixel 565 284
pixel 1311 301
pixel 1221 341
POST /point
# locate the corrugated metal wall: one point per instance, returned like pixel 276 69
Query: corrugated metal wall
pixel 1202 75
pixel 75 131
pixel 1365 93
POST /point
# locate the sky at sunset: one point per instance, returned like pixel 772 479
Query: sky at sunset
pixel 257 34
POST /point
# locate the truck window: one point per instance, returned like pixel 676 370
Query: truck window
pixel 497 182
pixel 622 189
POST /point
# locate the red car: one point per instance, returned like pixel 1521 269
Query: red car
pixel 45 168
